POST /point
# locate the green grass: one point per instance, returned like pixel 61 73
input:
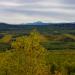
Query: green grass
pixel 63 59
pixel 59 45
pixel 59 53
pixel 62 56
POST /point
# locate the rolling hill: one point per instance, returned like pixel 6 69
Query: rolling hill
pixel 40 26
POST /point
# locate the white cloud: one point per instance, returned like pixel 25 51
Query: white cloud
pixel 9 4
pixel 18 11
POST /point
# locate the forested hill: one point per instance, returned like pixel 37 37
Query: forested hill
pixel 5 26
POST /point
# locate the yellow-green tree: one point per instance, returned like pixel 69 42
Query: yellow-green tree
pixel 6 39
pixel 34 54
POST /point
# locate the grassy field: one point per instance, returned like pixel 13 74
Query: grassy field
pixel 37 54
pixel 65 60
pixel 61 61
pixel 61 57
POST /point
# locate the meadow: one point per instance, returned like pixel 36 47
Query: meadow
pixel 37 53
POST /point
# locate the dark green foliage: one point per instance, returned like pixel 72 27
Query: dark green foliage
pixel 59 45
pixel 53 68
pixel 4 47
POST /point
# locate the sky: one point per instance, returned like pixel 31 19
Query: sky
pixel 27 11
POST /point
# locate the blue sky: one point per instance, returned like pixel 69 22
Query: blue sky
pixel 24 11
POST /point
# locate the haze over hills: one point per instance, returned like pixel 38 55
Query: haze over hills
pixel 38 25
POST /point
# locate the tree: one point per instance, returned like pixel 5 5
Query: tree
pixel 34 53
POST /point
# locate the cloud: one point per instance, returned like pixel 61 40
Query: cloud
pixel 18 11
pixel 70 2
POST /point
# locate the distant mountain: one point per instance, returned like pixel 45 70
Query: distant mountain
pixel 37 25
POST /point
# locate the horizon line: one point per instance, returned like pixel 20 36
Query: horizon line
pixel 39 22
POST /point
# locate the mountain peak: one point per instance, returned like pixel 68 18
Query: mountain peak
pixel 37 23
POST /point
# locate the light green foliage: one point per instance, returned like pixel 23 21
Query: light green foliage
pixel 6 39
pixel 70 36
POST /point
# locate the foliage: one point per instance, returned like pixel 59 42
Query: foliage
pixel 28 56
pixel 35 54
pixel 6 39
